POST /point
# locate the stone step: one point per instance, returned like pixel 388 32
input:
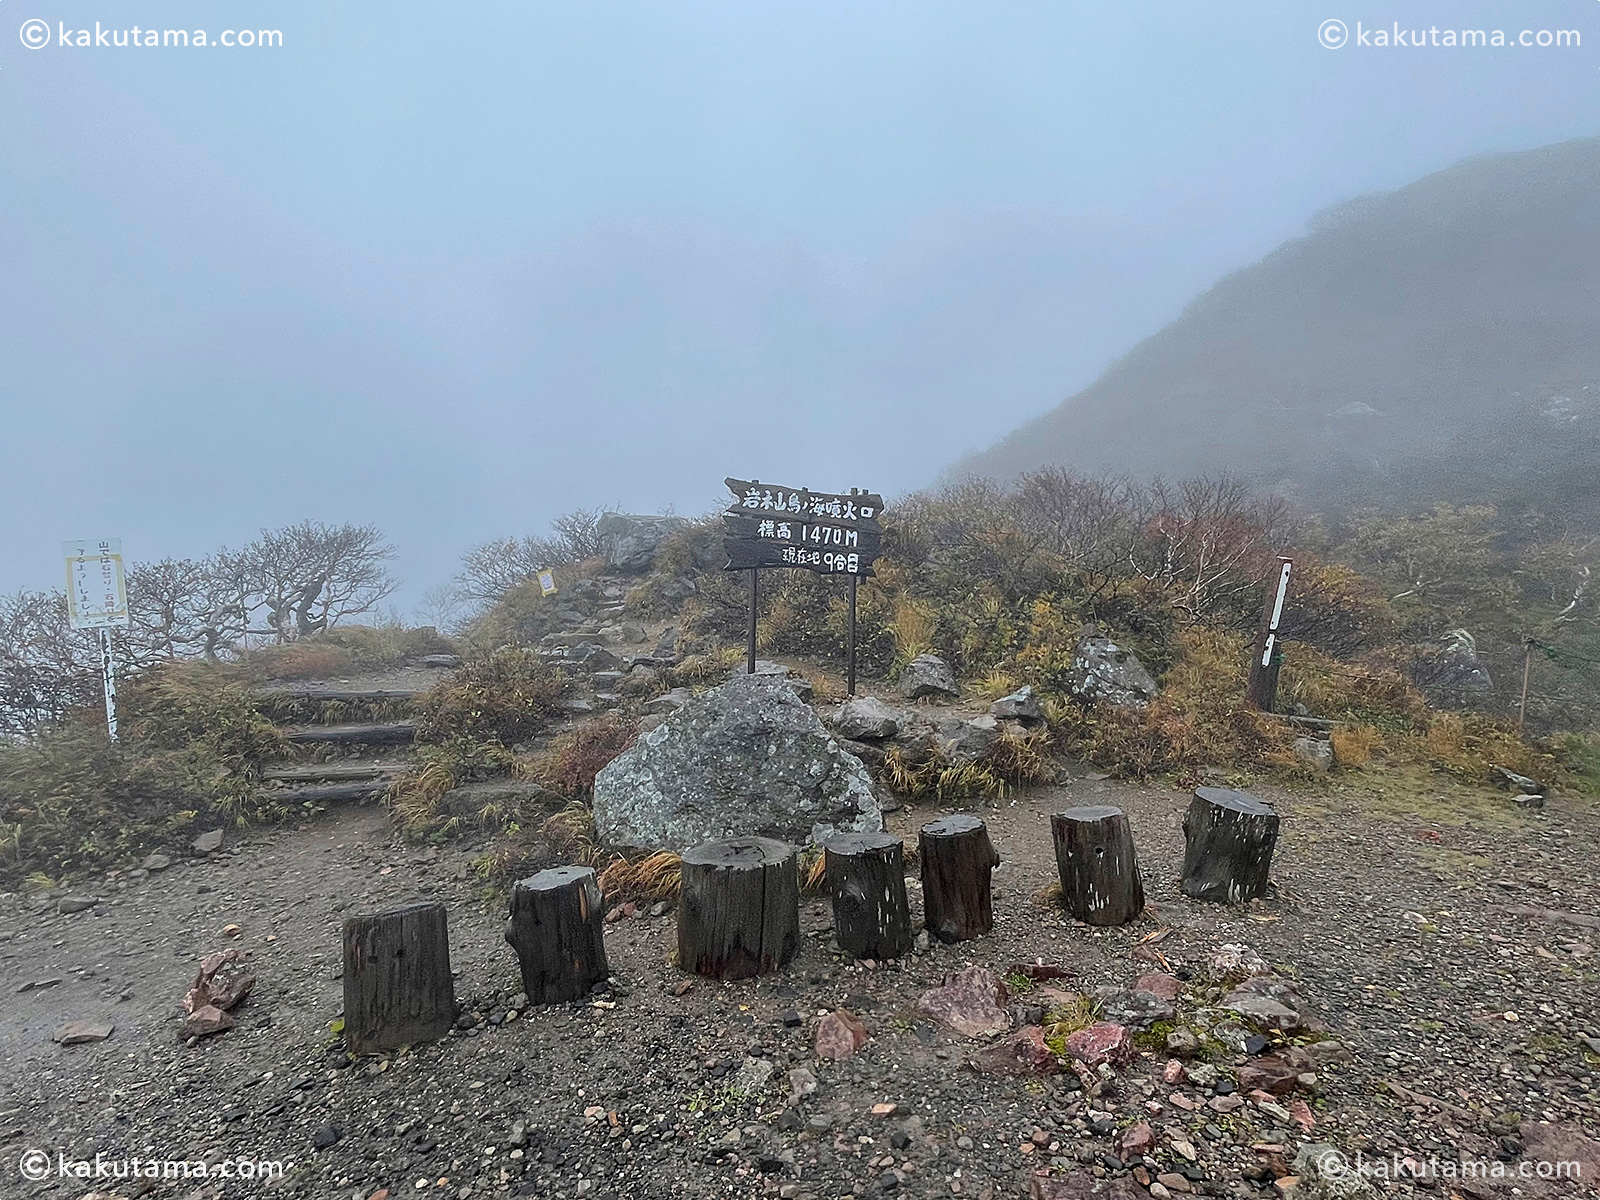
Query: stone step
pixel 330 695
pixel 333 772
pixel 399 731
pixel 325 792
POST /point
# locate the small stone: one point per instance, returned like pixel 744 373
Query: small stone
pixel 1104 1042
pixel 1182 1042
pixel 76 1033
pixel 208 843
pixel 1137 1140
pixel 839 1035
pixel 885 1110
pixel 325 1136
pixel 1173 1182
pixel 76 904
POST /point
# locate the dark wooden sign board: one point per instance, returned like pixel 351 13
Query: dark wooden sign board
pixel 829 533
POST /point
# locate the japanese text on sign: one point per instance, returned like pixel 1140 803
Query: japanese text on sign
pixel 97 594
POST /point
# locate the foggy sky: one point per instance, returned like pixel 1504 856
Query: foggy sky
pixel 457 269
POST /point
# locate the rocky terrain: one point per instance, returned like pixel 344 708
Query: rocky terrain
pixel 1443 955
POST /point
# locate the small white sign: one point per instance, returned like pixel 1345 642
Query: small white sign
pixel 547 583
pixel 97 592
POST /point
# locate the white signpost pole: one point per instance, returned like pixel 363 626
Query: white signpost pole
pixel 97 598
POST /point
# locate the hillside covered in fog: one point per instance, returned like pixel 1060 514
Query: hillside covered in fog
pixel 1441 341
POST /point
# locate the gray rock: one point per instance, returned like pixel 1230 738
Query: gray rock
pixel 1314 752
pixel 667 647
pixel 1020 705
pixel 1512 781
pixel 1136 1010
pixel 668 702
pixel 606 681
pixel 776 670
pixel 156 862
pixel 76 904
pixel 928 675
pixel 592 656
pixel 76 1033
pixel 631 541
pixel 866 719
pixel 752 1075
pixel 208 843
pixel 966 741
pixel 631 633
pixel 493 800
pixel 1449 670
pixel 749 758
pixel 440 660
pixel 577 706
pixel 1106 673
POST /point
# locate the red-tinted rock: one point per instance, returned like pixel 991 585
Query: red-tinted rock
pixel 839 1035
pixel 205 1021
pixel 1102 1043
pixel 1023 1051
pixel 1159 983
pixel 972 1002
pixel 223 981
pixel 1173 1072
pixel 1137 1140
pixel 1271 1074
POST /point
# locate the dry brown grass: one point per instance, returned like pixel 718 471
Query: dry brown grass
pixel 655 877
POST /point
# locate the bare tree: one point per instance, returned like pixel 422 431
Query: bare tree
pixel 310 576
pixel 181 607
pixel 46 667
pixel 1212 539
pixel 490 570
pixel 444 606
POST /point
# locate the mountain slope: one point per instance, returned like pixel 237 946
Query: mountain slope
pixel 1441 341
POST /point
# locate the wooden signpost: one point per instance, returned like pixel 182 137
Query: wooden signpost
pixel 1262 689
pixel 826 532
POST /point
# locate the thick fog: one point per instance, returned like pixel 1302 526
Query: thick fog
pixel 454 270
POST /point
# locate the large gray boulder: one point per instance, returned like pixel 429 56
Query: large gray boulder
pixel 631 541
pixel 747 759
pixel 928 675
pixel 1020 705
pixel 1104 672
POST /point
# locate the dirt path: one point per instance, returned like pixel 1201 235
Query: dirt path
pixel 1413 934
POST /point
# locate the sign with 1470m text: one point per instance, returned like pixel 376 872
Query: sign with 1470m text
pixel 826 532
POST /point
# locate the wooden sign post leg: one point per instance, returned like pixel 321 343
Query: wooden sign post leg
pixel 755 597
pixel 109 670
pixel 850 646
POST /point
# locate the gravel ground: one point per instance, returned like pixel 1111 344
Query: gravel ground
pixel 1442 939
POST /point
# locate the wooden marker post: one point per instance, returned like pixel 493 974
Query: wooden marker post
pixel 397 984
pixel 1100 883
pixel 755 605
pixel 957 858
pixel 739 913
pixel 865 875
pixel 557 929
pixel 1262 691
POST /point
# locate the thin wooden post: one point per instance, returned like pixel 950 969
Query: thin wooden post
pixel 108 668
pixel 1262 691
pixel 1527 661
pixel 755 598
pixel 850 653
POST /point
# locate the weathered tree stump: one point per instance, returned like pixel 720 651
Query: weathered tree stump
pixel 866 877
pixel 739 912
pixel 1229 837
pixel 1099 868
pixel 397 986
pixel 557 929
pixel 956 860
